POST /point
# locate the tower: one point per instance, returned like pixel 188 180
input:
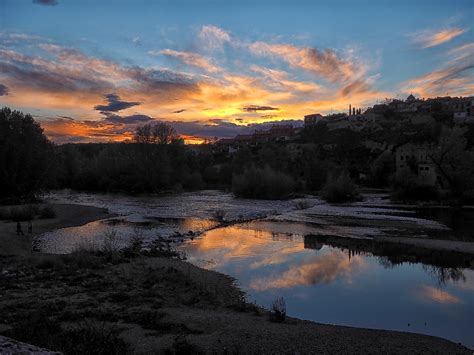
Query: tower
pixel 349 109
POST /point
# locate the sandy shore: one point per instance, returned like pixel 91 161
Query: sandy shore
pixel 67 215
pixel 152 304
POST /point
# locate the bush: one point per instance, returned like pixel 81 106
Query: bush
pixel 219 215
pixel 340 190
pixel 86 338
pixel 302 205
pixel 263 183
pixel 193 181
pixel 279 309
pixel 111 244
pixel 407 187
pixel 50 262
pixel 47 212
pixel 135 243
pixel 22 213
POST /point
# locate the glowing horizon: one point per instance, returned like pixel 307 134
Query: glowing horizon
pixel 214 72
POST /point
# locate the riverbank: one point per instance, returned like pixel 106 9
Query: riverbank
pixel 156 304
pixel 144 303
pixel 67 215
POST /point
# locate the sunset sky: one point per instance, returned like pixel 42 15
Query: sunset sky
pixel 91 71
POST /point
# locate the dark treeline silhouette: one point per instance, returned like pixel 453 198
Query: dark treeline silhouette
pixel 25 157
pixel 329 161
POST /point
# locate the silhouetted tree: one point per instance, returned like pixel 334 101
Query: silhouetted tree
pixel 25 155
pixel 454 163
pixel 158 133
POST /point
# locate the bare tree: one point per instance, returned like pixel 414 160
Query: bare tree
pixel 163 133
pixel 143 134
pixel 159 133
pixel 452 160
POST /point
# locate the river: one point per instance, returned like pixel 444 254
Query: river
pixel 299 250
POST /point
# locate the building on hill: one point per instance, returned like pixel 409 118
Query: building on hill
pixel 411 99
pixel 283 132
pixel 312 120
pixel 277 133
pixel 417 158
pixel 464 111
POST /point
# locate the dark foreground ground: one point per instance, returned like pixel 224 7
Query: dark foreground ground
pixel 154 303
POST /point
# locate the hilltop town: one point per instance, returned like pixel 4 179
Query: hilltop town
pixel 414 111
pixel 407 129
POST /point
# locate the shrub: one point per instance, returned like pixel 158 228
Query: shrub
pixel 111 244
pixel 407 187
pixel 22 213
pixel 50 262
pixel 279 310
pixel 263 183
pixel 302 205
pixel 340 190
pixel 47 212
pixel 193 180
pixel 219 215
pixel 135 243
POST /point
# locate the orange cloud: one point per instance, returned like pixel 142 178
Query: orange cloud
pixel 60 81
pixel 189 58
pixel 223 245
pixel 324 268
pixel 432 38
pixel 454 78
pixel 437 295
pixel 325 63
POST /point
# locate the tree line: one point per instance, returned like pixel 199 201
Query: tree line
pixel 333 163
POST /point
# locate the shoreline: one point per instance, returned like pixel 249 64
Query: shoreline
pixel 67 215
pixel 173 300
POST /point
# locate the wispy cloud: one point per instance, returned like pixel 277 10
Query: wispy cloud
pixel 325 63
pixel 192 59
pixel 432 38
pixel 66 81
pixel 213 37
pixel 46 2
pixel 456 77
pixel 257 108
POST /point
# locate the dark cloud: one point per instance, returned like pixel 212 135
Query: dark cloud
pixel 3 90
pixel 256 108
pixel 115 104
pixel 179 111
pixel 46 2
pixel 224 129
pixel 114 125
pixel 132 119
pixel 164 82
pixel 93 76
pixel 34 76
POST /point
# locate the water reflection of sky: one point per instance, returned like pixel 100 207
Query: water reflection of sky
pixel 336 286
pixel 91 236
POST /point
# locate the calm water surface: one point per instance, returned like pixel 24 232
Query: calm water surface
pixel 269 259
pixel 338 286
